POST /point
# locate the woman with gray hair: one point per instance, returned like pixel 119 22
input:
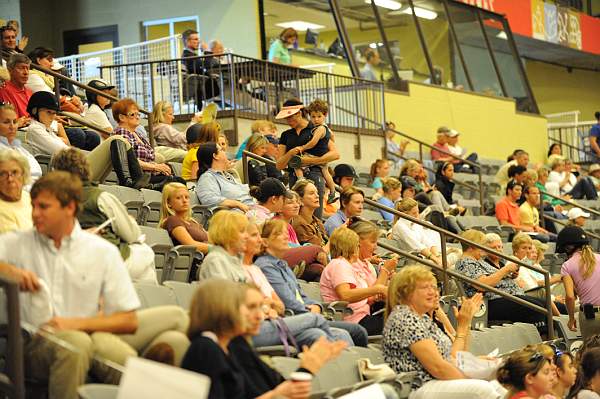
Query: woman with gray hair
pixel 15 203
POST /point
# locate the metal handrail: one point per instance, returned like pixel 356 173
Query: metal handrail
pixel 223 55
pixel 575 204
pixel 57 76
pixel 14 384
pixel 83 122
pixel 444 234
pixel 563 223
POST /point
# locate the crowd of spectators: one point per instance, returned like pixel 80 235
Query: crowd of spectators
pixel 266 237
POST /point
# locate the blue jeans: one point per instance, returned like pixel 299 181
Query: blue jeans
pixel 357 332
pixel 306 329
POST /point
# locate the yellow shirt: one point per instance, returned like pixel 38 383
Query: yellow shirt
pixel 529 215
pixel 188 161
pixel 16 215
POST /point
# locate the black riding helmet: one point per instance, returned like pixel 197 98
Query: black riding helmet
pixel 571 238
pixel 98 84
pixel 41 99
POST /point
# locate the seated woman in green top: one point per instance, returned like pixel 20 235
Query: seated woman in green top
pixel 278 52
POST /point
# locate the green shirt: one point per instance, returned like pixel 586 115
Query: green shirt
pixel 279 50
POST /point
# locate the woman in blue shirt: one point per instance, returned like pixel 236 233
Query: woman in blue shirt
pixel 594 135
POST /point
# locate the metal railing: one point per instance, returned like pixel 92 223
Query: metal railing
pixel 250 87
pixel 81 120
pixel 573 139
pixel 444 269
pixel 573 203
pixel 84 67
pixel 12 380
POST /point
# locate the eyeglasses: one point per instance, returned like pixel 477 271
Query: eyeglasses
pixel 133 114
pixel 5 174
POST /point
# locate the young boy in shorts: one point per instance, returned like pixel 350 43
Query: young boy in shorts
pixel 318 145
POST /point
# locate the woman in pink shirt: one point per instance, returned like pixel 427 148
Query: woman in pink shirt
pixel 581 275
pixel 343 281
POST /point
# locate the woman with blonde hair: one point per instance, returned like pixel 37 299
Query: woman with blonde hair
pixel 257 171
pixel 227 232
pixel 412 342
pixel 581 277
pixel 170 142
pixel 343 281
pixel 176 218
pixel 528 374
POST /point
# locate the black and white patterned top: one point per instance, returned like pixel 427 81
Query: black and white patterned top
pixel 404 328
pixel 474 269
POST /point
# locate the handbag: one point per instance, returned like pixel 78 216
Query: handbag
pixel 370 371
pixel 286 336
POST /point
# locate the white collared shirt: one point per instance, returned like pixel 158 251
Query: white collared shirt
pixel 85 268
pixel 43 140
pixel 414 237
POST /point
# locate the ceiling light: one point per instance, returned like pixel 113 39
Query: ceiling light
pixel 389 4
pixel 300 25
pixel 421 13
pixel 502 35
pixel 375 45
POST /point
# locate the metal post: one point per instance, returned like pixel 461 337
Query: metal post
pixel 456 42
pixel 341 28
pixel 386 44
pixel 444 262
pixel 245 166
pixel 493 57
pixel 422 40
pixel 549 317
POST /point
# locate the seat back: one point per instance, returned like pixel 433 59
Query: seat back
pixel 184 292
pixel 312 290
pixel 183 264
pixel 98 391
pixel 155 295
pixel 161 244
pixel 130 197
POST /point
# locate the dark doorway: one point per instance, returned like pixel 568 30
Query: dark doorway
pixel 72 39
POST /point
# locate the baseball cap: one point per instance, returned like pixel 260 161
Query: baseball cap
pixel 100 84
pixel 272 139
pixel 272 187
pixel 443 129
pixel 344 170
pixel 408 182
pixel 571 235
pixel 574 213
pixel 594 167
pixel 452 133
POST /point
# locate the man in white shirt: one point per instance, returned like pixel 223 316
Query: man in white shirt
pixel 76 285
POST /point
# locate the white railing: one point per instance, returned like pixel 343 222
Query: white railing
pixel 572 134
pixel 84 67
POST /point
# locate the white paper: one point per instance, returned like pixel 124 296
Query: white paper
pixel 151 380
pixel 373 391
pixel 475 367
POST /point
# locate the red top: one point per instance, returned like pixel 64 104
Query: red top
pixel 508 211
pixel 435 155
pixel 17 97
pixel 519 395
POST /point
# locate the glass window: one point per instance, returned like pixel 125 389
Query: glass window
pixel 474 50
pixel 508 63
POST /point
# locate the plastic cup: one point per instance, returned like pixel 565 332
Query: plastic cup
pixel 299 376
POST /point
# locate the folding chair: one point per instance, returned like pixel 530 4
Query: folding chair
pixel 98 391
pixel 184 292
pixel 130 197
pixel 161 244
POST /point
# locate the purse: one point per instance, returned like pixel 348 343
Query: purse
pixel 370 371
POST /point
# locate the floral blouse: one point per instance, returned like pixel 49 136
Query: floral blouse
pixel 474 269
pixel 404 328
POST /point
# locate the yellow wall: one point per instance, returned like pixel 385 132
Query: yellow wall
pixel 557 90
pixel 488 126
